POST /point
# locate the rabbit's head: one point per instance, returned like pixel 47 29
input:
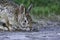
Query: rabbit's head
pixel 24 15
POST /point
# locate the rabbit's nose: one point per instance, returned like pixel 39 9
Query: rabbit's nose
pixel 23 23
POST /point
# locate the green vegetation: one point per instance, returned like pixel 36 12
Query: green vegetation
pixel 42 8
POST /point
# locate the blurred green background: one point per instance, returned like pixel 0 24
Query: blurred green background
pixel 42 8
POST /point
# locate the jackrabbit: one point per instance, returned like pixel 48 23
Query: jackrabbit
pixel 24 19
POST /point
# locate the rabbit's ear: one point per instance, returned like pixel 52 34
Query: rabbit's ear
pixel 29 8
pixel 22 8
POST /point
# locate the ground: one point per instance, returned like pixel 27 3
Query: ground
pixel 42 35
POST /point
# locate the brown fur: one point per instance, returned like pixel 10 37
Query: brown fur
pixel 7 22
pixel 29 20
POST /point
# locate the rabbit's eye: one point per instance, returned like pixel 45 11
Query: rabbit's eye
pixel 25 21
